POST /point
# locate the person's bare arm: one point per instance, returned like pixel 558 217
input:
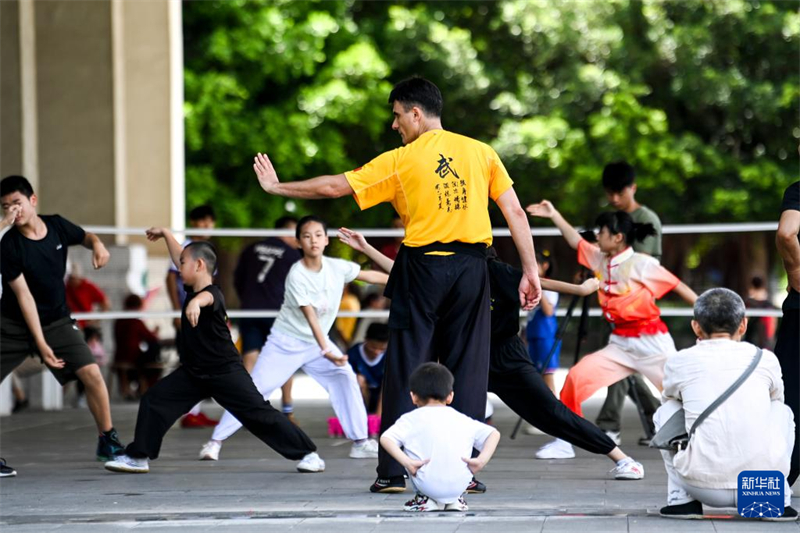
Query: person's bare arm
pixel 545 209
pixel 688 295
pixel 547 307
pixel 530 289
pixel 322 341
pixel 373 276
pixel 9 216
pixel 789 246
pixel 476 464
pixel 100 255
pixel 31 316
pixel 173 246
pixel 357 242
pixel 331 186
pixel 399 455
pixel 204 299
pixel 584 289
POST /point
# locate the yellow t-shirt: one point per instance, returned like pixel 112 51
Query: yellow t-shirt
pixel 440 185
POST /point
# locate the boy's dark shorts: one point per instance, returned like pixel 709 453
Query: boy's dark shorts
pixel 254 333
pixel 64 338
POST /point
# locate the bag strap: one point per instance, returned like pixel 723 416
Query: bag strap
pixel 725 395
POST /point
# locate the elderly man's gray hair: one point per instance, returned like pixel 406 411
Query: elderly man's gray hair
pixel 719 311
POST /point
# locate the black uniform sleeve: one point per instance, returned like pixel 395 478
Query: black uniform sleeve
pixel 505 280
pixel 11 261
pixel 791 198
pixel 219 300
pixel 72 233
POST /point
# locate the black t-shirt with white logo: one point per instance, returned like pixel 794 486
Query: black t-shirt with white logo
pixel 791 201
pixel 260 276
pixel 208 347
pixel 43 263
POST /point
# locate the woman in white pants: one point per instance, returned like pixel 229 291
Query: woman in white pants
pixel 299 339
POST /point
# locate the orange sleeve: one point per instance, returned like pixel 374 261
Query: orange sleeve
pixel 375 182
pixel 589 255
pixel 499 180
pixel 658 279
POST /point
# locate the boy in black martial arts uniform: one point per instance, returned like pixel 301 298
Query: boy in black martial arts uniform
pixel 211 366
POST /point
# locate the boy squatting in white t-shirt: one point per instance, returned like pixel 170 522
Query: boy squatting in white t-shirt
pixel 299 339
pixel 437 443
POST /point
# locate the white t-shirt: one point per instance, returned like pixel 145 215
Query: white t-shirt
pixel 321 290
pixel 444 436
pixel 747 431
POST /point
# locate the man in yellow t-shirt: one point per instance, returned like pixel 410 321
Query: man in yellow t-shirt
pixel 440 184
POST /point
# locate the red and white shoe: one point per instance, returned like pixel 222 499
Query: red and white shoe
pixel 630 470
pixel 421 504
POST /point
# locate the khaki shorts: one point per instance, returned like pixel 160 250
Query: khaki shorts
pixel 63 336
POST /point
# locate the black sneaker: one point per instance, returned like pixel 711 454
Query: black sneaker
pixel 476 487
pixel 789 515
pixel 687 511
pixel 389 485
pixel 19 405
pixel 7 471
pixel 109 446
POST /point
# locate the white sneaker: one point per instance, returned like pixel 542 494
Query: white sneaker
pixel 614 435
pixel 459 505
pixel 311 463
pixel 558 449
pixel 366 450
pixel 630 470
pixel 210 451
pixel 421 504
pixel 130 465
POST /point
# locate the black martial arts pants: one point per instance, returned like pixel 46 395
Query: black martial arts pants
pixel 173 396
pixel 449 322
pixel 787 348
pixel 515 380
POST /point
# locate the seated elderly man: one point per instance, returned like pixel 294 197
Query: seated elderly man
pixel 751 430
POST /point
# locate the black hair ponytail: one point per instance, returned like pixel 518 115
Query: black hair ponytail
pixel 621 222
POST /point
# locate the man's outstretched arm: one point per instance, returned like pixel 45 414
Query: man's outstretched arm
pixel 334 186
pixel 530 289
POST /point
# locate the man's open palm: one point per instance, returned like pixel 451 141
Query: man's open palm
pixel 267 176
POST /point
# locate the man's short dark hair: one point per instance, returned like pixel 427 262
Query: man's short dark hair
pixel 307 220
pixel 419 92
pixel 618 175
pixel 285 222
pixel 431 381
pixel 12 184
pixel 202 212
pixel 719 310
pixel 205 251
pixel 377 332
pixel 757 282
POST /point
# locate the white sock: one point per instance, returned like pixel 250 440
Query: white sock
pixel 626 460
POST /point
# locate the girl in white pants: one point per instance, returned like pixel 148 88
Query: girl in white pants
pixel 299 339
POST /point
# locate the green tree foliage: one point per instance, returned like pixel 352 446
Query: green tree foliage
pixel 700 95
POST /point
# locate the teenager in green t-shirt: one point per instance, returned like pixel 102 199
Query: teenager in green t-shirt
pixel 619 182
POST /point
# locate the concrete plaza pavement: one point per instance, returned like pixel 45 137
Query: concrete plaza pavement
pixel 60 486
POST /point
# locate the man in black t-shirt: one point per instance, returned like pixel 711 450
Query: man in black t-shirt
pixel 35 317
pixel 787 347
pixel 210 367
pixel 260 281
